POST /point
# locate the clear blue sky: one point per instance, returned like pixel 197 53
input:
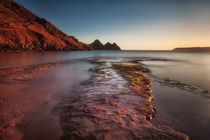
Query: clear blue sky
pixel 133 24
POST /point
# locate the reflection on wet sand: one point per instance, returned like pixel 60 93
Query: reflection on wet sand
pixel 29 95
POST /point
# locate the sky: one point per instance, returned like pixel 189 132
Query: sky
pixel 132 24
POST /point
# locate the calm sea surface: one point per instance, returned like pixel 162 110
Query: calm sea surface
pixel 183 110
pixel 188 67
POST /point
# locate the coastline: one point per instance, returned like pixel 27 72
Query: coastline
pixel 125 100
pixel 54 86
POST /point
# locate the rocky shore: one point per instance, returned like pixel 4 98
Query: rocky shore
pixel 113 103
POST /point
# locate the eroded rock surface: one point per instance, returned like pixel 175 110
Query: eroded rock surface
pixel 115 103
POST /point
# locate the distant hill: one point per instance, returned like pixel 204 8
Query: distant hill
pixel 20 29
pixel 195 49
pixel 97 45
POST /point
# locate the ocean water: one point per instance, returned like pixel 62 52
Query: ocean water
pixel 188 67
pixel 178 104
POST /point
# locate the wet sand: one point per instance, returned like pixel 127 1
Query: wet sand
pixel 29 95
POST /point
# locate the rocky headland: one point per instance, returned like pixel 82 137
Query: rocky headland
pixel 97 45
pixel 21 30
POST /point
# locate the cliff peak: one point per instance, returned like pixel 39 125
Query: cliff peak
pixel 97 45
pixel 97 42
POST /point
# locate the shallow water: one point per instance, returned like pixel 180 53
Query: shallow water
pixel 188 67
pixel 31 99
pixel 181 109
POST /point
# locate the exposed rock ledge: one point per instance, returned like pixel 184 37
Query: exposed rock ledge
pixel 114 104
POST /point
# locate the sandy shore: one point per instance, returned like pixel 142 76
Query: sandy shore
pixel 22 91
pixel 29 95
pixel 51 101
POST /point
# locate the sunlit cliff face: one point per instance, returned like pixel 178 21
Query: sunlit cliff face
pixel 134 25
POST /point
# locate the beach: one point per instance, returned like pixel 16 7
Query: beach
pixel 100 95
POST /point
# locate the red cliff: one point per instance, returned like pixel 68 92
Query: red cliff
pixel 20 29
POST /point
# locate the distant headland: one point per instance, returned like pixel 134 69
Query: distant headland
pixel 194 49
